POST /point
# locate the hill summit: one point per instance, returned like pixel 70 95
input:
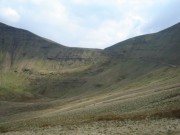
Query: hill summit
pixel 162 46
pixel 22 49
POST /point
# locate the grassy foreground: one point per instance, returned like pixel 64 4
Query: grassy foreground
pixel 152 98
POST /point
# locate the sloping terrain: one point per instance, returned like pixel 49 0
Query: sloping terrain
pixel 160 47
pixel 29 57
pixel 46 85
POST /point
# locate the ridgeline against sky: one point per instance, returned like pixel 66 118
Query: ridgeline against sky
pixel 90 23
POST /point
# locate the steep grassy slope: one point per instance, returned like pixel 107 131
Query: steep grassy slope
pixel 22 49
pixel 54 70
pixel 162 47
pixel 153 96
pixel 27 58
pixel 135 79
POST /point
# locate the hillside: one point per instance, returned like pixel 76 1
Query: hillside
pixel 22 49
pixel 27 59
pixel 160 47
pixel 47 87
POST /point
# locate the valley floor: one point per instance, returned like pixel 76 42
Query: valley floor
pixel 143 127
pixel 147 106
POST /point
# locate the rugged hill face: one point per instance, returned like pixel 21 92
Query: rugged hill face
pixel 46 68
pixel 160 47
pixel 31 63
pixel 56 85
pixel 23 49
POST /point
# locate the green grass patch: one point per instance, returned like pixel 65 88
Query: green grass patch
pixel 12 82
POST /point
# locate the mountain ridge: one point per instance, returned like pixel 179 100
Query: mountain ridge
pixel 21 44
pixel 42 63
pixel 43 85
pixel 162 45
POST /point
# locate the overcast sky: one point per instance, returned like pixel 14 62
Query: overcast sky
pixel 90 23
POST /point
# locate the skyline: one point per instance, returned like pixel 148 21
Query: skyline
pixel 90 23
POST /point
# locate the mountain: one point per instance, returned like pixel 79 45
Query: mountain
pixel 26 57
pixel 45 84
pixel 161 47
pixel 53 70
pixel 22 49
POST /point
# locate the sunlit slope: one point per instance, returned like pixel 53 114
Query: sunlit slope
pixel 48 69
pixel 135 79
pixel 139 60
pixel 26 58
pixel 155 95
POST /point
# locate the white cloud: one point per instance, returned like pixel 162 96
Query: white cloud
pixel 88 23
pixel 52 11
pixel 9 14
pixel 113 31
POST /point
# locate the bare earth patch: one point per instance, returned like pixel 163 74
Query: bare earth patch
pixel 128 127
